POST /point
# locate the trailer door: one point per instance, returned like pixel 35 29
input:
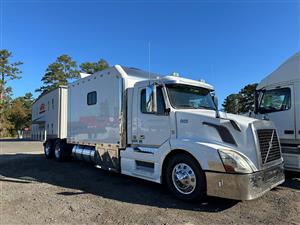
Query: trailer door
pixel 277 105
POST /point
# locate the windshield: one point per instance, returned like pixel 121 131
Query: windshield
pixel 189 97
pixel 274 100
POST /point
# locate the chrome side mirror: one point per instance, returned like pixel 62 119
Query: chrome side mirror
pixel 151 104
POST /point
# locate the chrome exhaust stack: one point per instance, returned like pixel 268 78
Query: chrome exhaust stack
pixel 84 153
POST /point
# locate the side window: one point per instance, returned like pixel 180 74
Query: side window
pixel 159 99
pixel 92 98
pixel 160 102
pixel 275 100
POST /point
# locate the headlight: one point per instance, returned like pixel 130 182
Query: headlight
pixel 234 162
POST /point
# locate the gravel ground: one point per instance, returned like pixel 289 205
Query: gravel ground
pixel 39 191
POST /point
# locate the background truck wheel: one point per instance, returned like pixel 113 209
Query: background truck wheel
pixel 185 178
pixel 62 151
pixel 49 149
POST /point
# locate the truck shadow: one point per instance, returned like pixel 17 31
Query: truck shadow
pixel 83 178
pixel 292 180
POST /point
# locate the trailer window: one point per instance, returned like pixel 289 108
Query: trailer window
pixel 160 101
pixel 92 98
pixel 275 100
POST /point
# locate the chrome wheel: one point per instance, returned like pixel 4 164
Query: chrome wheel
pixel 184 178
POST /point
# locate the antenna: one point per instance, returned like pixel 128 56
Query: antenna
pixel 149 61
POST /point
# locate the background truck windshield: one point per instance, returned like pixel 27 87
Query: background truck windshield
pixel 190 97
pixel 275 100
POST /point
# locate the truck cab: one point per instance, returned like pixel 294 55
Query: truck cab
pixel 278 100
pixel 177 136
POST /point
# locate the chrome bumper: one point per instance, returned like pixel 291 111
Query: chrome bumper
pixel 244 186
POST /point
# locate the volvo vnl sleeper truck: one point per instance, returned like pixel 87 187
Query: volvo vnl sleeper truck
pixel 278 100
pixel 162 129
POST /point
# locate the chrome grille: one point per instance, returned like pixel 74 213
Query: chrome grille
pixel 269 145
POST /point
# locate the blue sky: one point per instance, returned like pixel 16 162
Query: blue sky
pixel 227 43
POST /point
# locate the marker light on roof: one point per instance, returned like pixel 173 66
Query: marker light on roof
pixel 175 74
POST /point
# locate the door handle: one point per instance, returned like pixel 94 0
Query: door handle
pixel 288 132
pixel 142 136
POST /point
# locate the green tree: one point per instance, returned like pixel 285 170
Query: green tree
pixel 19 114
pixel 246 98
pixel 242 102
pixel 230 104
pixel 8 71
pixel 91 67
pixel 59 73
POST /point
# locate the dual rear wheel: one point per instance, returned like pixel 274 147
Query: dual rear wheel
pixel 57 149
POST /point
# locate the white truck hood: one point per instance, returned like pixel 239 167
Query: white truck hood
pixel 200 125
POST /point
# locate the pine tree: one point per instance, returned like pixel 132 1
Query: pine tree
pixel 8 71
pixel 242 102
pixel 59 73
pixel 91 67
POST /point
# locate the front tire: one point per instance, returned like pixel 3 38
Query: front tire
pixel 185 178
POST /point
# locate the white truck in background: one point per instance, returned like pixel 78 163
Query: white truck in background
pixel 278 100
pixel 162 129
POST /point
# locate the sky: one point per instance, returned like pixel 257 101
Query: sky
pixel 229 44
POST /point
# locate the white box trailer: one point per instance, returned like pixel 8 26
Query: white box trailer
pixel 168 130
pixel 278 100
pixel 49 115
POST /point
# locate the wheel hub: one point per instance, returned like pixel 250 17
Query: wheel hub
pixel 184 178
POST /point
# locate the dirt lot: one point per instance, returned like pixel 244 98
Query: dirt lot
pixel 39 191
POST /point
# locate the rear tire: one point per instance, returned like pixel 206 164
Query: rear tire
pixel 49 149
pixel 62 152
pixel 185 178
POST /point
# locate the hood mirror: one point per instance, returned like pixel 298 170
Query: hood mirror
pixel 215 100
pixel 216 103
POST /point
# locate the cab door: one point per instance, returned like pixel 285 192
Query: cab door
pixel 153 122
pixel 277 105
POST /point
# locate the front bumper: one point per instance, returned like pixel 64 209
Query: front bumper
pixel 244 186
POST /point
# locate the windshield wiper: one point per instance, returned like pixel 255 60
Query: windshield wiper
pixel 187 106
pixel 194 107
pixel 206 107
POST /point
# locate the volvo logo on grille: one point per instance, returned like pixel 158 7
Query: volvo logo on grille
pixel 270 146
pixel 270 143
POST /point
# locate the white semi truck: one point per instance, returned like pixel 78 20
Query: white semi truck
pixel 278 100
pixel 162 129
